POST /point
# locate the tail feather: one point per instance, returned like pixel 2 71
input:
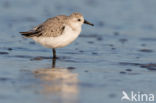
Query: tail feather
pixel 30 33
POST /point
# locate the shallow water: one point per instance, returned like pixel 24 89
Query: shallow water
pixel 116 55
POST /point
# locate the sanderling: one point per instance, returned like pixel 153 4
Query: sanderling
pixel 58 31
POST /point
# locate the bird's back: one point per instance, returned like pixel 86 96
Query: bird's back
pixel 52 27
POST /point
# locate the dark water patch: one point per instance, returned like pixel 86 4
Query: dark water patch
pixel 113 48
pixel 71 52
pixel 149 66
pixel 143 45
pixel 2 79
pixel 99 38
pixel 133 73
pixel 6 48
pixel 32 42
pixel 71 68
pixel 76 43
pixel 89 61
pixel 19 41
pixel 38 58
pixel 101 24
pixel 122 72
pixel 63 57
pixel 73 61
pixel 129 70
pixel 123 40
pixel 25 70
pixel 90 35
pixel 3 53
pixel 127 63
pixel 112 95
pixel 128 73
pixel 146 50
pixel 32 58
pixel 6 4
pixel 111 45
pixel 91 85
pixel 96 36
pixel 90 42
pixel 76 48
pixel 148 39
pixel 94 53
pixel 148 27
pixel 21 48
pixel 86 71
pixel 81 51
pixel 10 49
pixel 6 79
pixel 116 33
pixel 28 49
pixel 137 57
pixel 13 36
pixel 22 56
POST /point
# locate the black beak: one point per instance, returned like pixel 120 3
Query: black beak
pixel 86 22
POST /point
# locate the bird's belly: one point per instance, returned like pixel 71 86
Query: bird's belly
pixel 59 41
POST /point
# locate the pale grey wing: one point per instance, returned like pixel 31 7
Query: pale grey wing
pixel 53 27
pixel 53 31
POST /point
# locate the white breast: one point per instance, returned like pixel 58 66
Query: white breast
pixel 68 36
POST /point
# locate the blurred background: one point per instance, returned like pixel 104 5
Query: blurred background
pixel 117 54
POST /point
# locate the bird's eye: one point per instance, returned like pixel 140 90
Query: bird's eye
pixel 78 19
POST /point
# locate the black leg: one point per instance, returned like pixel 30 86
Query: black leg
pixel 54 58
pixel 54 53
pixel 53 62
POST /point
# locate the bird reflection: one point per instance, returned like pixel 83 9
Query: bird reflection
pixel 58 84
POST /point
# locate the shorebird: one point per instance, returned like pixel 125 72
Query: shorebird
pixel 58 31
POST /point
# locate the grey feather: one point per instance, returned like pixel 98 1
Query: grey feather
pixel 52 27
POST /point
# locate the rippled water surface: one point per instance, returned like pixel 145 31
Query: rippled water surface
pixel 117 54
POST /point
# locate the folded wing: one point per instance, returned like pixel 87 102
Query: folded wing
pixel 52 27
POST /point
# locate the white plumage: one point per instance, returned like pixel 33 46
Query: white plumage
pixel 67 37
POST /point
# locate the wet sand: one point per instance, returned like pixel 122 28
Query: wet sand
pixel 117 54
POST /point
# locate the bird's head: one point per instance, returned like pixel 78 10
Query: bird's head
pixel 77 19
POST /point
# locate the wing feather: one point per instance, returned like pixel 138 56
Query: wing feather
pixel 52 27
